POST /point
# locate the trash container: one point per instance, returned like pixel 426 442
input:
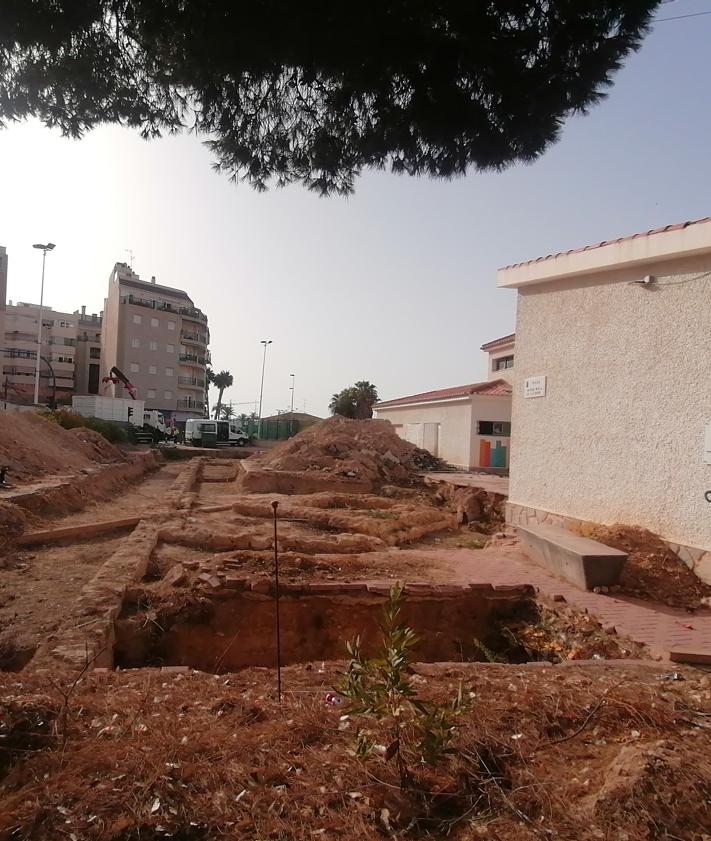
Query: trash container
pixel 208 439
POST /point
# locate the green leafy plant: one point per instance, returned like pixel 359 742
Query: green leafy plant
pixel 416 730
pixel 112 431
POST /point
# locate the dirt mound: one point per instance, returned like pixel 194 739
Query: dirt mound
pixel 652 570
pixel 358 449
pixel 32 447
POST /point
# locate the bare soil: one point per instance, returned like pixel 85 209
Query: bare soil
pixel 652 570
pixel 565 752
pixel 38 588
pixel 33 447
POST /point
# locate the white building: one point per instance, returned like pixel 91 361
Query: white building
pixel 612 398
pixel 468 426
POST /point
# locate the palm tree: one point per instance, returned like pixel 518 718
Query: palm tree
pixel 343 403
pixel 221 381
pixel 209 379
pixel 227 412
pixel 365 396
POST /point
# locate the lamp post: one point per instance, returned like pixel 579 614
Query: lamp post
pixel 44 249
pixel 292 393
pixel 266 343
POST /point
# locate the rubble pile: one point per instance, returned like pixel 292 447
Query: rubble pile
pixel 359 449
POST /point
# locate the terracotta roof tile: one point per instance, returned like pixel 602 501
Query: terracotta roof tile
pixel 677 227
pixel 494 343
pixel 493 388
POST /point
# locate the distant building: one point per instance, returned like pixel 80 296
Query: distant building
pixel 87 361
pixel 3 297
pixel 302 418
pixel 501 358
pixel 158 338
pixel 59 339
pixel 612 406
pixel 468 426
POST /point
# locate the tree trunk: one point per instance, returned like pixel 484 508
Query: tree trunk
pixel 219 403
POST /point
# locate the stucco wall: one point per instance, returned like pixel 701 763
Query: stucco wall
pixel 489 408
pixel 619 435
pixel 455 419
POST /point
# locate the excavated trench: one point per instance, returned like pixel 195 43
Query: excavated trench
pixel 237 630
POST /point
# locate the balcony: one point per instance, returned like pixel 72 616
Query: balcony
pixel 195 359
pixel 191 403
pixel 193 313
pixel 195 338
pixel 191 382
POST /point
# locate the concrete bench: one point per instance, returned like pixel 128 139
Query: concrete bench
pixel 579 560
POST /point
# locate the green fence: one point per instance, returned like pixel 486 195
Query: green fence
pixel 272 430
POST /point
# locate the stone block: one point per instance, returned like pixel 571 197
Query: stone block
pixel 699 656
pixel 176 575
pixel 579 560
pixel 209 580
pixel 261 585
pixel 234 582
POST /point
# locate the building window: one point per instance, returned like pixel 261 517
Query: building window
pixel 155 322
pixel 171 325
pixel 135 367
pixel 135 342
pixel 502 428
pixel 170 348
pixel 64 324
pixel 137 319
pixel 94 353
pixel 153 345
pixel 151 392
pixel 93 379
pixel 152 369
pixel 503 362
pixel 169 372
pixel 168 395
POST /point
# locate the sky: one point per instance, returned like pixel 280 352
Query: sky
pixel 395 284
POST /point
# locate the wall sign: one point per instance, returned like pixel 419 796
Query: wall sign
pixel 534 387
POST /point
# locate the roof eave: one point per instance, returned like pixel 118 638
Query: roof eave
pixel 639 251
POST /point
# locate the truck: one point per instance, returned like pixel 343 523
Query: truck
pixel 123 410
pixel 203 432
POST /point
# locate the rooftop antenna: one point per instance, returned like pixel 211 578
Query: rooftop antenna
pixel 130 255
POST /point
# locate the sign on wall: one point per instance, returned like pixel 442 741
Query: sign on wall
pixel 534 387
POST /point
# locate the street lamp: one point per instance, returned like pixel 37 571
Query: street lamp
pixel 44 249
pixel 292 394
pixel 265 342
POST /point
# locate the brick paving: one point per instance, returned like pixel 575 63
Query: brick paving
pixel 660 627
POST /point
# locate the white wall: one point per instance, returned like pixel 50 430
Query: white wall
pixel 619 435
pixel 455 424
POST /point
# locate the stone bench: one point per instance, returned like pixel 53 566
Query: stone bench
pixel 579 560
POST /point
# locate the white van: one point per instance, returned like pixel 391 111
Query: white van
pixel 220 433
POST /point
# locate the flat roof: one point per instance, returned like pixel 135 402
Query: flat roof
pixel 491 388
pixel 684 239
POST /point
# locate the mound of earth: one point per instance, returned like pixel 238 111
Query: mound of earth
pixel 652 570
pixel 31 447
pixel 362 449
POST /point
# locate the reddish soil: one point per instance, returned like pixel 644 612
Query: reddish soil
pixel 563 752
pixel 652 570
pixel 362 449
pixel 33 447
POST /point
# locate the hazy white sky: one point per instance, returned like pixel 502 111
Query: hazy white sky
pixel 396 284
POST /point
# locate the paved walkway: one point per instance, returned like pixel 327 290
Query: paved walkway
pixel 660 627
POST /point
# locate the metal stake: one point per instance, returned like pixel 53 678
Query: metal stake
pixel 275 505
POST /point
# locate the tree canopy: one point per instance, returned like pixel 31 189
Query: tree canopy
pixel 315 91
pixel 356 401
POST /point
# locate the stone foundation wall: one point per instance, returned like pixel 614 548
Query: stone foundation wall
pixel 261 480
pixel 698 560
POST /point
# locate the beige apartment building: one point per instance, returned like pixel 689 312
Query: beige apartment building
pixel 158 339
pixel 59 339
pixel 87 361
pixel 3 298
pixel 611 401
pixel 500 358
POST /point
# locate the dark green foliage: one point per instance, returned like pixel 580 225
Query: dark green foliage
pixel 112 431
pixel 356 401
pixel 417 730
pixel 312 91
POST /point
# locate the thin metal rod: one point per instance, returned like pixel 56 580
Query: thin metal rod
pixel 39 330
pixel 275 505
pixel 261 390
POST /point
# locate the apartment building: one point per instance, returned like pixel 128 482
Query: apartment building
pixel 59 339
pixel 3 297
pixel 158 338
pixel 87 361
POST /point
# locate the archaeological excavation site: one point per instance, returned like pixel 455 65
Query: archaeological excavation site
pixel 335 636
